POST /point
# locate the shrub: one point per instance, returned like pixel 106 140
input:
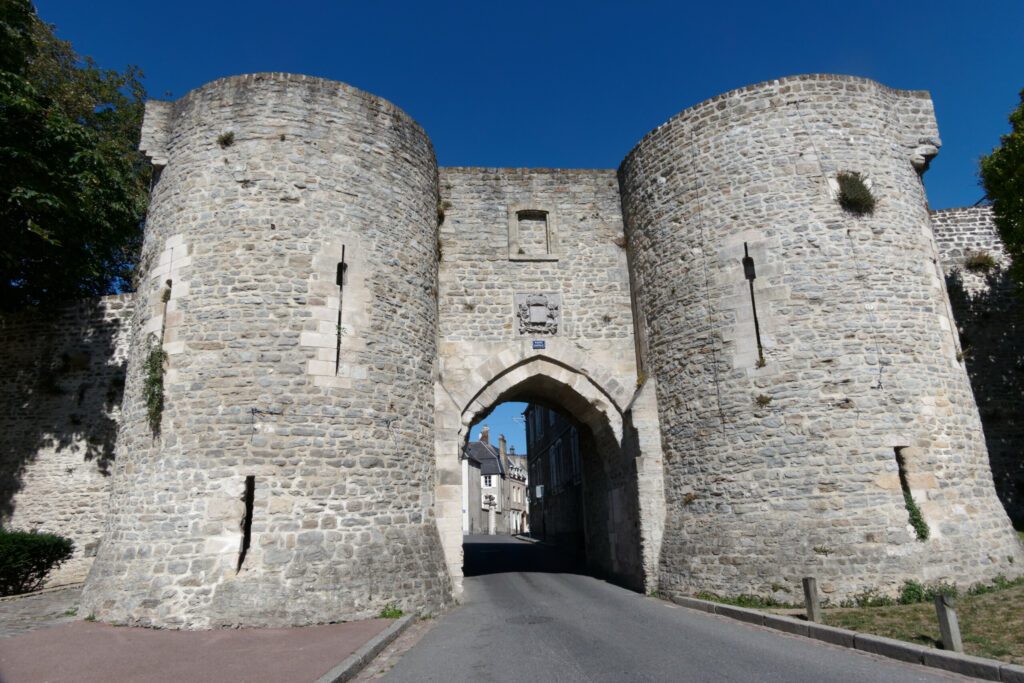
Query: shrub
pixel 868 598
pixel 854 195
pixel 913 592
pixel 27 557
pixel 941 588
pixel 979 262
pixel 762 400
pixel 226 139
pixel 999 583
pixel 745 600
pixel 391 612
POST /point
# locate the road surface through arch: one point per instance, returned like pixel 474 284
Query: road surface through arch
pixel 532 626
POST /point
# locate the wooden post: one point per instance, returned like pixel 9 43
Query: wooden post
pixel 811 599
pixel 949 627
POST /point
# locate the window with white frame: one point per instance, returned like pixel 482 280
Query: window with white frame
pixel 487 481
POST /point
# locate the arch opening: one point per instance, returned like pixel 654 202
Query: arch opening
pixel 580 483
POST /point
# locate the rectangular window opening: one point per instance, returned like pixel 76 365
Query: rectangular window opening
pixel 248 497
pixel 533 232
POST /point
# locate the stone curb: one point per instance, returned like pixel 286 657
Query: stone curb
pixel 354 663
pixel 977 667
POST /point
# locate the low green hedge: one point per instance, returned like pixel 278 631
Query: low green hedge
pixel 26 558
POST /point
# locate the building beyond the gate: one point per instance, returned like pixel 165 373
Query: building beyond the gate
pixel 493 488
pixel 337 312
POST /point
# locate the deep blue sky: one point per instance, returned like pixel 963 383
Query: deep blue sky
pixel 504 420
pixel 577 84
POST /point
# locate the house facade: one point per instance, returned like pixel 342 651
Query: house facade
pixel 556 478
pixel 493 488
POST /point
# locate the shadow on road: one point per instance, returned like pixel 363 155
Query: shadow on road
pixel 500 554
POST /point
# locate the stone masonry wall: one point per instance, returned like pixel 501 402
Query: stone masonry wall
pixel 788 468
pixel 989 310
pixel 61 382
pixel 269 178
pixel 348 407
pixel 488 264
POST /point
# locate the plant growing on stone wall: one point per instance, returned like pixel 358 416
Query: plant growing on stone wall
pixel 390 611
pixel 913 592
pixel 442 208
pixel 153 384
pixel 225 140
pixel 916 518
pixel 979 262
pixel 854 195
pixel 762 400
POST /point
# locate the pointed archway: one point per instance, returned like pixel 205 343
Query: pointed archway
pixel 622 478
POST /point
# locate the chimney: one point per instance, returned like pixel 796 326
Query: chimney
pixel 485 434
pixel 501 445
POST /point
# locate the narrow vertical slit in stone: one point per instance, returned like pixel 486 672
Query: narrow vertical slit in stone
pixel 340 281
pixel 248 497
pixel 748 272
pixel 914 514
pixel 165 298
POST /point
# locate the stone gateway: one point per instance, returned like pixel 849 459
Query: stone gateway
pixel 337 311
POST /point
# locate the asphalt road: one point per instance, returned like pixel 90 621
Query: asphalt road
pixel 520 624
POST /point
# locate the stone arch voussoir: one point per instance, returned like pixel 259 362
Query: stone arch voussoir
pixel 579 392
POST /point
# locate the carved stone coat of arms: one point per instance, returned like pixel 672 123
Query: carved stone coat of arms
pixel 538 313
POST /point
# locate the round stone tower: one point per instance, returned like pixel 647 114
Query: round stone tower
pixel 816 417
pixel 287 304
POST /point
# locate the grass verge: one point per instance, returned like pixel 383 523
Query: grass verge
pixel 991 624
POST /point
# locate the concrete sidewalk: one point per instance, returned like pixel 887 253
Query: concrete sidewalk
pixel 86 652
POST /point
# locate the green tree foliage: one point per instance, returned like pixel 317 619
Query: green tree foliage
pixel 27 557
pixel 1002 175
pixel 73 186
